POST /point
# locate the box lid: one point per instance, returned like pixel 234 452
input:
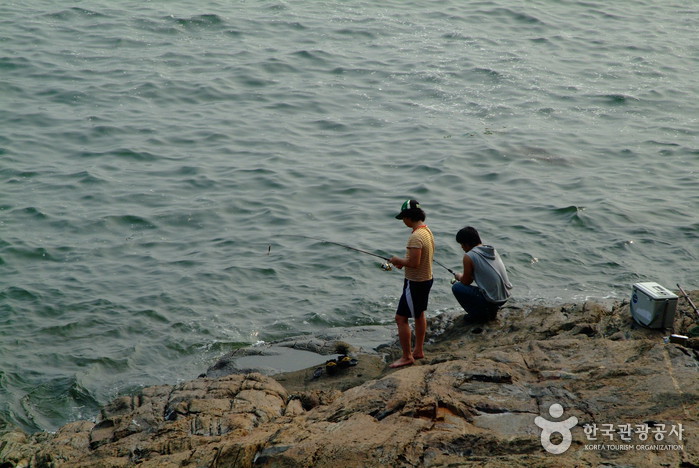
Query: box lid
pixel 655 291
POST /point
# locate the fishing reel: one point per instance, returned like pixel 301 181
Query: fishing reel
pixel 386 266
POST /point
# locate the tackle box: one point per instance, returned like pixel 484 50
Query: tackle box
pixel 653 305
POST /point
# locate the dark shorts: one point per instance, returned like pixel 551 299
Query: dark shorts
pixel 413 302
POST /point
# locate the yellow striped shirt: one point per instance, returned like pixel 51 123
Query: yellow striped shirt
pixel 421 238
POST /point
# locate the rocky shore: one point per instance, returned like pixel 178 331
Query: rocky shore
pixel 479 398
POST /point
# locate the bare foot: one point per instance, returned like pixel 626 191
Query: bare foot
pixel 402 362
pixel 419 355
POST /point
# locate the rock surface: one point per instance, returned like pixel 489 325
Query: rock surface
pixel 472 401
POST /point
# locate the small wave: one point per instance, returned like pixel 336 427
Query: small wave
pixel 293 25
pixel 572 214
pixel 64 96
pixel 456 36
pixel 254 81
pixel 286 107
pixel 517 16
pixel 106 130
pixel 198 21
pixel 325 124
pixel 157 26
pixel 73 13
pixel 45 405
pixel 274 65
pixel 66 329
pixel 20 294
pixel 356 33
pixel 488 72
pixel 317 56
pixel 567 211
pixel 278 6
pixel 540 40
pixel 201 182
pixel 18 176
pixel 85 178
pixel 30 253
pixel 617 99
pixel 153 315
pixel 120 42
pixel 234 33
pixel 131 221
pixel 140 156
pixel 661 143
pixel 14 63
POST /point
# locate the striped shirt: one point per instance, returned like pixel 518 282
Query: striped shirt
pixel 421 238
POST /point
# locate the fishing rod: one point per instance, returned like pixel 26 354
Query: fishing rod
pixel 386 266
pixel 356 249
pixel 445 267
pixel 688 299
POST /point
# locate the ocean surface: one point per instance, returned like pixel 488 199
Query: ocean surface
pixel 161 161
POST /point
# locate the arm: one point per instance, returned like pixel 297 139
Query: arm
pixel 411 260
pixel 467 276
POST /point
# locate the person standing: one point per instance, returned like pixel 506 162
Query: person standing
pixel 417 283
pixel 482 265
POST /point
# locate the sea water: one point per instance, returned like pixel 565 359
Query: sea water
pixel 161 161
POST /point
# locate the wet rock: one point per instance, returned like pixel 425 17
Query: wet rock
pixel 267 359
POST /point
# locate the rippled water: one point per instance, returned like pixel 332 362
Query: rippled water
pixel 159 160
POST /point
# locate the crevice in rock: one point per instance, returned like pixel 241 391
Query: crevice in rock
pixel 492 410
pixel 379 415
pixel 494 377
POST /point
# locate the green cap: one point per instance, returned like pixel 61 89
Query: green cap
pixel 406 207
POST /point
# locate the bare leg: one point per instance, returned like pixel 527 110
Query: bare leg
pixel 420 331
pixel 404 338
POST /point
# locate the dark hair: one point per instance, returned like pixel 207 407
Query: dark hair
pixel 468 236
pixel 415 214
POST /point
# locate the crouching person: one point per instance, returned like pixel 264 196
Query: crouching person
pixel 482 266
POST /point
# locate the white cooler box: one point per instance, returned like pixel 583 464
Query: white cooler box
pixel 653 306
